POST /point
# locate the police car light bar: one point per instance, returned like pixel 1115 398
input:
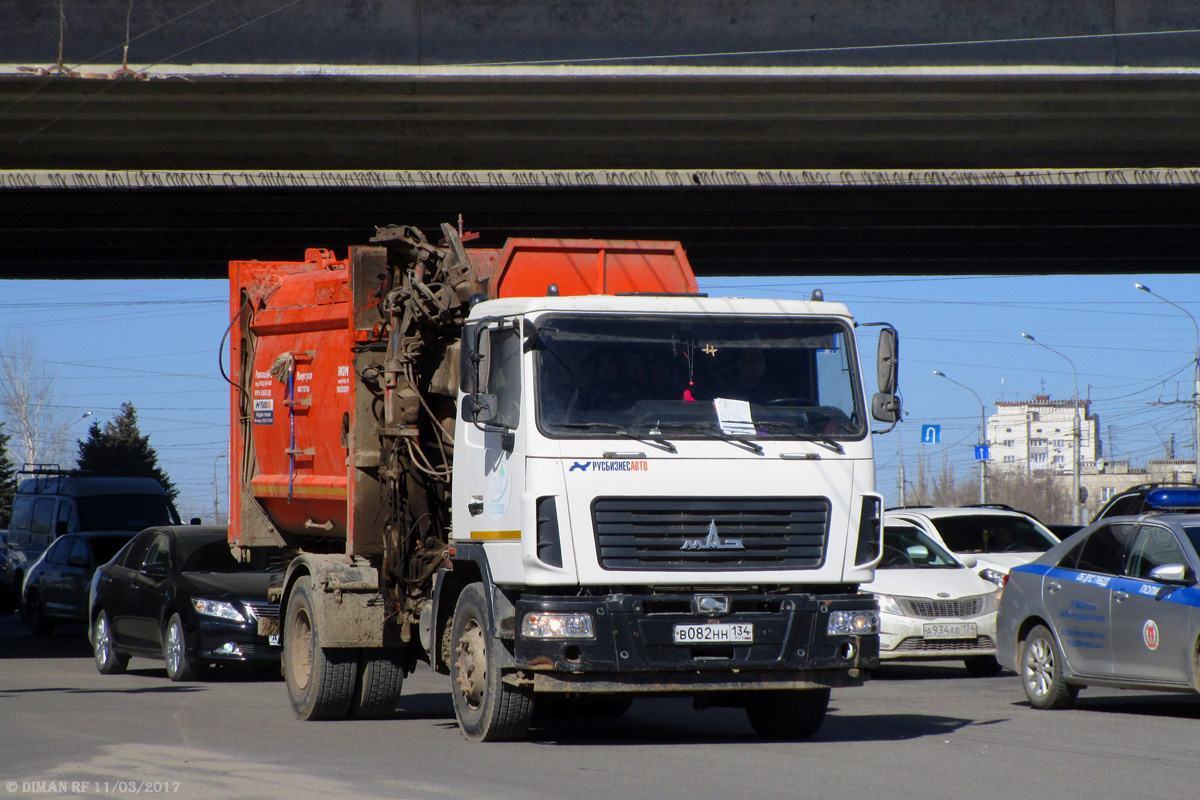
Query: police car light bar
pixel 1173 498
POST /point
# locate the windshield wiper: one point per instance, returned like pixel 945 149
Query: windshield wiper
pixel 653 436
pixel 804 436
pixel 753 447
pixel 707 430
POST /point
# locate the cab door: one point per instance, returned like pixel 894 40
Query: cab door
pixel 489 473
pixel 1152 631
pixel 1078 597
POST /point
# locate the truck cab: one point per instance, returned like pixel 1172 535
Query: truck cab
pixel 665 489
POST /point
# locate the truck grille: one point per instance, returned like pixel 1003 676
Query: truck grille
pixel 704 533
pixel 931 609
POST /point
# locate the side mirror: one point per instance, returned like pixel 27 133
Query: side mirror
pixel 481 354
pixel 479 408
pixel 918 552
pixel 887 360
pixel 77 561
pixel 968 561
pixel 885 407
pixel 1170 573
pixel 155 570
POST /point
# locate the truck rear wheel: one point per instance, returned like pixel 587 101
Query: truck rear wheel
pixel 488 709
pixel 788 715
pixel 380 680
pixel 320 681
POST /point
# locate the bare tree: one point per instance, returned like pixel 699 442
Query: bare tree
pixel 941 488
pixel 1042 493
pixel 38 427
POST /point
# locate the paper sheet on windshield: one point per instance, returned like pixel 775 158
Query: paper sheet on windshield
pixel 734 416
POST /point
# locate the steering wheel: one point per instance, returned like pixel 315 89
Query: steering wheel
pixel 894 556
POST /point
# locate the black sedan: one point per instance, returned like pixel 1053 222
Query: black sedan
pixel 56 586
pixel 177 593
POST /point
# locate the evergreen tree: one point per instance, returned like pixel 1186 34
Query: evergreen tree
pixel 8 480
pixel 121 449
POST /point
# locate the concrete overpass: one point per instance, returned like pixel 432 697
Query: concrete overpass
pixel 772 137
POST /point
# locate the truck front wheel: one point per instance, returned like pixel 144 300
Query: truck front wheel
pixel 320 681
pixel 788 715
pixel 488 709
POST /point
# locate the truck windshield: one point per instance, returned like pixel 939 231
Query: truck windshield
pixel 598 375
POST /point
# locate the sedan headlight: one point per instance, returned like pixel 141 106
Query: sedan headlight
pixel 217 608
pixel 993 575
pixel 888 605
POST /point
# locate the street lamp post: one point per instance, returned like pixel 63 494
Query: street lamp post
pixel 1076 509
pixel 1196 377
pixel 982 434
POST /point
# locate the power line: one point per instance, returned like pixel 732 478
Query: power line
pixel 838 49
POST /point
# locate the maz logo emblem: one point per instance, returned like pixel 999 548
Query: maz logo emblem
pixel 712 541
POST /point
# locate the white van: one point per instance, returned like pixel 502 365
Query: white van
pixel 54 502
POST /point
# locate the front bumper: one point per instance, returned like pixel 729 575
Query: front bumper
pixel 633 649
pixel 222 642
pixel 903 637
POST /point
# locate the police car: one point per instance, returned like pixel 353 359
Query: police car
pixel 1117 605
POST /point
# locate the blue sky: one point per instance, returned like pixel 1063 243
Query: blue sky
pixel 1133 354
pixel 155 344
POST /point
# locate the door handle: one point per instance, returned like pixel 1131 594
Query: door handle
pixel 1053 586
pixel 475 507
pixel 1120 596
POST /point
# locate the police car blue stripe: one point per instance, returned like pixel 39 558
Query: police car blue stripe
pixel 1183 595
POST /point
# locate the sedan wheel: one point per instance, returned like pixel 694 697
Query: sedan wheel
pixel 35 613
pixel 108 660
pixel 1042 671
pixel 175 651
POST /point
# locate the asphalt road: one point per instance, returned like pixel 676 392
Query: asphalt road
pixel 922 730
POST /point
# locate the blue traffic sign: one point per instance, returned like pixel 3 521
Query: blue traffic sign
pixel 931 434
pixel 981 452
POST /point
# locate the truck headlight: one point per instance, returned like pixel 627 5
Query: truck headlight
pixel 852 623
pixel 557 626
pixel 217 608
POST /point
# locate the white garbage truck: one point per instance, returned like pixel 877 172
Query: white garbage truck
pixel 557 473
